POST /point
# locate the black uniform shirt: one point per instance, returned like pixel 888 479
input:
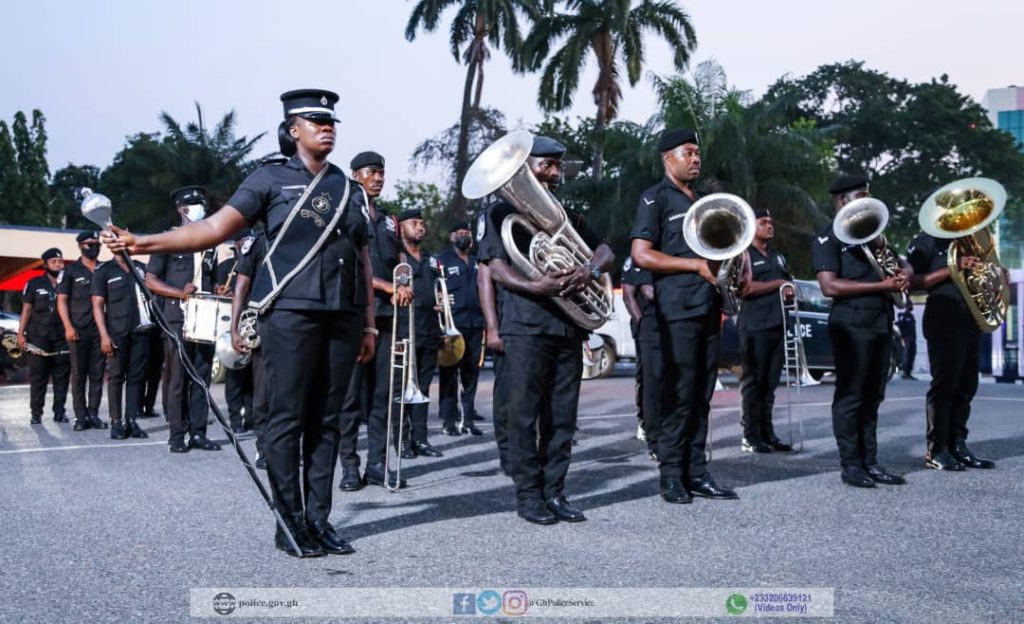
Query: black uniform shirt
pixel 764 311
pixel 41 295
pixel 178 269
pixel 333 278
pixel 460 278
pixel 227 271
pixel 250 259
pixel 659 219
pixel 525 314
pixel 908 325
pixel 925 255
pixel 384 254
pixel 424 276
pixel 116 286
pixel 633 275
pixel 76 283
pixel 848 262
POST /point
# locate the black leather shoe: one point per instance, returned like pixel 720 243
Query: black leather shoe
pixel 880 475
pixel 201 442
pixel 471 428
pixel 964 455
pixel 478 417
pixel 452 430
pixel 535 511
pixel 705 487
pixel 857 477
pixel 408 452
pixel 117 432
pixel 374 475
pixel 238 429
pixel 942 461
pixel 652 455
pixel 308 547
pixel 96 423
pixel 754 446
pixel 564 510
pixel 80 425
pixel 328 538
pixel 133 430
pixel 424 448
pixel 672 491
pixel 780 446
pixel 61 417
pixel 36 420
pixel 350 481
pixel 177 445
pixel 148 414
pixel 261 463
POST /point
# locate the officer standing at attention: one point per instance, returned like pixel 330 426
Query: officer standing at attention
pixel 689 314
pixel 860 327
pixel 41 327
pixel 762 338
pixel 238 382
pixel 174 276
pixel 953 339
pixel 544 360
pixel 312 292
pixel 638 295
pixel 115 308
pixel 908 334
pixel 74 305
pixel 460 273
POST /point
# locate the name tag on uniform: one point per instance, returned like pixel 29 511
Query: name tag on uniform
pixel 42 291
pixel 759 263
pixel 294 187
pixel 454 270
pixel 79 279
pixel 114 279
pixel 676 217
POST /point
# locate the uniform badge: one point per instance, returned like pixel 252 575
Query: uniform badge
pixel 481 226
pixel 391 223
pixel 628 264
pixel 781 260
pixel 323 100
pixel 322 202
pixel 822 240
pixel 247 244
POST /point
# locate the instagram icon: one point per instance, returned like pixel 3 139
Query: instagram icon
pixel 514 602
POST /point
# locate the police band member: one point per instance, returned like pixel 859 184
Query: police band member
pixel 638 297
pixel 124 340
pixel 175 276
pixel 689 321
pixel 860 328
pixel 544 360
pixel 426 327
pixel 907 324
pixel 953 340
pixel 366 399
pixel 41 327
pixel 154 377
pixel 490 305
pixel 459 265
pixel 762 338
pixel 315 319
pixel 74 305
pixel 238 382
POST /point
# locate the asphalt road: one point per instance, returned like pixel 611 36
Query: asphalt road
pixel 96 530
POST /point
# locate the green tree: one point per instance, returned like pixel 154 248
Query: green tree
pixel 28 200
pixel 427 197
pixel 10 178
pixel 64 204
pixel 476 24
pixel 613 31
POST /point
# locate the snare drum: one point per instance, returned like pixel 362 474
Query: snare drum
pixel 206 317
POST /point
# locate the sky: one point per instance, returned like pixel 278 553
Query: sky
pixel 102 70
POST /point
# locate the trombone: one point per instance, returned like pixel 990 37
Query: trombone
pixel 795 359
pixel 403 361
pixel 453 346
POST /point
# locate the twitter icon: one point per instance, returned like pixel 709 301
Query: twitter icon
pixel 488 602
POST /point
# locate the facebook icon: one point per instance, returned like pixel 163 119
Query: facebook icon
pixel 464 604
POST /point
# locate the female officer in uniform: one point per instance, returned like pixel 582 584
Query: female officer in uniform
pixel 315 325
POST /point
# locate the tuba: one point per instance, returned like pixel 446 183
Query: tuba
pixel 861 222
pixel 554 244
pixel 721 226
pixel 453 346
pixel 963 211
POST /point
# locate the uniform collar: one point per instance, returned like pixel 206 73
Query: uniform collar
pixel 668 183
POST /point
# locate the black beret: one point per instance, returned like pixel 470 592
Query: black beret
pixel 52 252
pixel 461 225
pixel 310 104
pixel 84 236
pixel 546 146
pixel 847 182
pixel 761 213
pixel 676 137
pixel 367 159
pixel 410 213
pixel 189 195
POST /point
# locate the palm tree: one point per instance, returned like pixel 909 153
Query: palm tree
pixel 614 31
pixel 476 24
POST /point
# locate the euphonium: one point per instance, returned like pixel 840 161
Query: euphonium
pixel 554 243
pixel 861 222
pixel 721 226
pixel 963 211
pixel 9 340
pixel 453 346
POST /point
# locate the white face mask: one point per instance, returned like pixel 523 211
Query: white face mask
pixel 195 212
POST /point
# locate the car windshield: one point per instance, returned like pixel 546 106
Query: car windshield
pixel 811 297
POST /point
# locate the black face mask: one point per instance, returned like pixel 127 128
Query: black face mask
pixel 53 273
pixel 463 242
pixel 91 252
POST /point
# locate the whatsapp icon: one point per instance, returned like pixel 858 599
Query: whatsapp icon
pixel 736 604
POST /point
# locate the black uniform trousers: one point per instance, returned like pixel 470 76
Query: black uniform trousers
pixel 128 364
pixel 42 369
pixel 953 359
pixel 763 354
pixel 238 391
pixel 87 365
pixel 466 371
pixel 154 370
pixel 185 401
pixel 376 424
pixel 426 366
pixel 355 409
pixel 542 389
pixel 499 410
pixel 649 378
pixel 690 355
pixel 862 364
pixel 308 357
pixel 260 408
pixel 909 355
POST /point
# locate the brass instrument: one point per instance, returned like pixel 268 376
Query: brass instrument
pixel 145 320
pixel 247 333
pixel 403 361
pixel 453 346
pixel 861 222
pixel 795 359
pixel 963 211
pixel 10 344
pixel 554 245
pixel 721 226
